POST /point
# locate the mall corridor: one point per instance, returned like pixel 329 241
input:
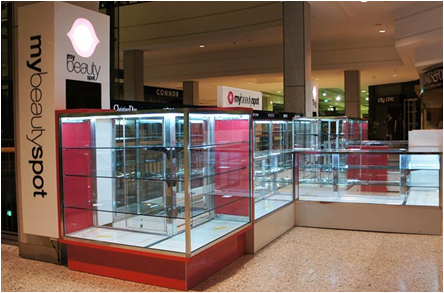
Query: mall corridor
pixel 304 259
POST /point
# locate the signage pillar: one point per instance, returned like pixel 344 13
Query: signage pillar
pixel 297 58
pixel 133 75
pixel 191 93
pixel 61 48
pixel 352 87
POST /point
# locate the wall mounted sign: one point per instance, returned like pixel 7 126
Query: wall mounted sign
pixel 432 79
pixel 233 97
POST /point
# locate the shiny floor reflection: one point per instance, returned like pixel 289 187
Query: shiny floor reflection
pixel 304 259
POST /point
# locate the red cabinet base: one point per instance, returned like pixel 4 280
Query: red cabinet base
pixel 155 269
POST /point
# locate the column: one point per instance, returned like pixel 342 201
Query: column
pixel 191 93
pixel 297 57
pixel 133 75
pixel 352 86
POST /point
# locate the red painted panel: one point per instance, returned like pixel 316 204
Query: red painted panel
pixel 77 189
pixel 232 157
pixel 213 259
pixel 121 265
pixel 124 250
pixel 374 174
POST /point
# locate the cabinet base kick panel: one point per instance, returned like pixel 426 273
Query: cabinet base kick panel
pixel 369 217
pixel 269 228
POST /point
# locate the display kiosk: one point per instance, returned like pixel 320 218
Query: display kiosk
pixel 161 197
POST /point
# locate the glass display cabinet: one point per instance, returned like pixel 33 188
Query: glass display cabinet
pixel 306 133
pixel 410 179
pixel 370 189
pixel 273 161
pixel 342 132
pixel 165 181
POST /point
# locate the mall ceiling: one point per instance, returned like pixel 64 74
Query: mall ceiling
pixel 239 44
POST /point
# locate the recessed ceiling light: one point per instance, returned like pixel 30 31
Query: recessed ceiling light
pixel 338 98
pixel 201 46
pixel 366 99
pixel 271 102
pixel 381 31
pixel 324 94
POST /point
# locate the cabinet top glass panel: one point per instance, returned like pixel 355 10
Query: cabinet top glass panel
pixel 175 181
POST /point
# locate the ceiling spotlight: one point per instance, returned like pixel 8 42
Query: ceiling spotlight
pixel 338 98
pixel 271 102
pixel 366 99
pixel 201 46
pixel 324 94
pixel 381 31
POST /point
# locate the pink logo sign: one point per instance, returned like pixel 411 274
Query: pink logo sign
pixel 83 37
pixel 230 97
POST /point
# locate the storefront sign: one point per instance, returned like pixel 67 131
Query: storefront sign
pixel 47 58
pixel 432 79
pixel 121 108
pixel 389 99
pixel 157 92
pixel 233 97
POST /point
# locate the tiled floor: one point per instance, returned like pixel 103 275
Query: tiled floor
pixel 303 259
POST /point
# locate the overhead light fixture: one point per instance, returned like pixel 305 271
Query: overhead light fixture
pixel 338 98
pixel 363 91
pixel 271 102
pixel 326 101
pixel 366 99
pixel 381 31
pixel 364 1
pixel 324 94
pixel 201 46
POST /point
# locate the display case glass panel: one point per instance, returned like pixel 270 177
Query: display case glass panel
pixel 376 177
pixel 135 178
pixel 273 164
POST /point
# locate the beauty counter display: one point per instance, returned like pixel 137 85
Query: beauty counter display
pixel 163 191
